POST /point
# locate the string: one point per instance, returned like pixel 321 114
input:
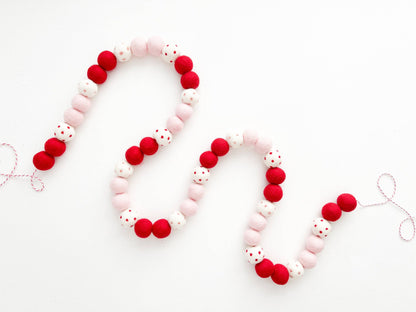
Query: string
pixel 389 199
pixel 36 182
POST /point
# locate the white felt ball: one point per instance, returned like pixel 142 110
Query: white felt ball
pixel 273 159
pixel 122 51
pixel 321 227
pixel 123 169
pixel 87 88
pixel 295 268
pixel 163 136
pixel 200 175
pixel 176 220
pixel 64 132
pixel 129 217
pixel 235 139
pixel 265 208
pixel 254 254
pixel 170 52
pixel 190 96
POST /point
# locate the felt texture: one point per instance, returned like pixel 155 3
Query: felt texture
pixel 265 208
pixel 54 147
pixel 148 146
pixel 295 268
pixel 119 185
pixel 220 147
pixel 174 124
pixel 208 159
pixel 163 137
pixel 346 202
pixel 200 175
pixel 196 191
pixel 97 74
pixel 143 228
pixel 183 111
pixel 275 175
pixel 134 155
pixel 331 212
pixel 190 96
pixel 64 132
pixel 155 45
pixel 87 88
pixel 254 254
pixel 252 237
pixel 129 217
pixel 263 145
pixel 235 139
pixel 321 227
pixel 170 52
pixel 139 46
pixel 272 159
pixel 73 117
pixel 280 275
pixel 161 228
pixel 107 60
pixel 265 268
pixel 190 80
pixel 183 64
pixel 43 161
pixel 121 201
pixel 250 137
pixel 81 103
pixel 273 193
pixel 123 169
pixel 257 222
pixel 314 244
pixel 176 220
pixel 188 207
pixel 307 259
pixel 122 51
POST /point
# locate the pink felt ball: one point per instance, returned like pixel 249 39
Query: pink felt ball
pixel 257 222
pixel 174 124
pixel 188 207
pixel 119 185
pixel 81 103
pixel 250 137
pixel 121 201
pixel 307 259
pixel 196 191
pixel 263 145
pixel 155 45
pixel 138 46
pixel 314 244
pixel 252 237
pixel 183 111
pixel 73 117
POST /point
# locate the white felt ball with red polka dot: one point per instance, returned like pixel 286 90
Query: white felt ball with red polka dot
pixel 162 136
pixel 170 52
pixel 190 96
pixel 273 159
pixel 176 220
pixel 295 268
pixel 235 139
pixel 64 132
pixel 265 208
pixel 321 227
pixel 200 175
pixel 87 88
pixel 123 169
pixel 122 51
pixel 129 217
pixel 254 254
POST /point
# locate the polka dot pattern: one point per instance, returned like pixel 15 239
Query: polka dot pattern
pixel 162 136
pixel 123 169
pixel 190 96
pixel 254 254
pixel 235 139
pixel 272 159
pixel 295 268
pixel 170 52
pixel 122 51
pixel 265 208
pixel 128 218
pixel 200 175
pixel 321 227
pixel 176 220
pixel 87 88
pixel 64 132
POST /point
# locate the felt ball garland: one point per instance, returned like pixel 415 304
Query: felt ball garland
pixel 97 74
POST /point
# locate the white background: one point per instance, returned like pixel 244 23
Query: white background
pixel 332 82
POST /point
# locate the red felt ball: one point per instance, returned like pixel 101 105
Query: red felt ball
pixel 143 228
pixel 265 268
pixel 220 147
pixel 134 155
pixel 190 80
pixel 43 161
pixel 280 275
pixel 54 147
pixel 107 60
pixel 331 212
pixel 97 74
pixel 273 192
pixel 161 228
pixel 346 202
pixel 183 64
pixel 275 175
pixel 148 146
pixel 208 159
